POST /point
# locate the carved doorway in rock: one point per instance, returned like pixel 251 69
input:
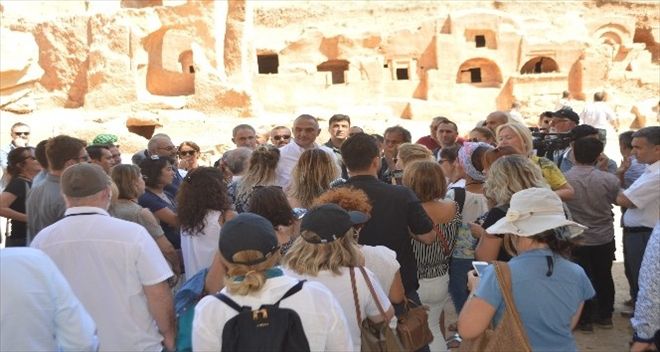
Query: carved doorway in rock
pixel 480 72
pixel 539 64
pixel 338 69
pixel 170 70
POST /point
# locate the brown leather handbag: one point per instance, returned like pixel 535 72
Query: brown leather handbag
pixel 413 326
pixel 377 337
pixel 509 335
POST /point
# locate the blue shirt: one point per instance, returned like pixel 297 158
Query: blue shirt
pixel 154 203
pixel 545 304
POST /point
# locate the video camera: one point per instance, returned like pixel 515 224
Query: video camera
pixel 545 143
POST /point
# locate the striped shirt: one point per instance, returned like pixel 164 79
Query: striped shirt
pixel 433 260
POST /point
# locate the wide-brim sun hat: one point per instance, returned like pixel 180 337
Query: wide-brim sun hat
pixel 533 211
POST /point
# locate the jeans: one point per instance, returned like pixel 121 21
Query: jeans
pixel 634 245
pixel 597 264
pixel 458 270
pixel 400 308
pixel 434 293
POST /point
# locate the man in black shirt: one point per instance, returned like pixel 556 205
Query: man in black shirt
pixel 396 212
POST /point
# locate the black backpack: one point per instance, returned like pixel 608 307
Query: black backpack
pixel 269 328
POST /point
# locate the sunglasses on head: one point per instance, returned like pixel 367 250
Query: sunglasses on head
pixel 22 133
pixel 286 137
pixel 187 153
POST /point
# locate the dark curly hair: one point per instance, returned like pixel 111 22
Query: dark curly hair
pixel 271 203
pixel 152 168
pixel 202 190
pixel 16 159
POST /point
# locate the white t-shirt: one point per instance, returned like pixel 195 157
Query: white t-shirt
pixel 340 286
pixel 199 249
pixel 382 262
pixel 645 194
pixel 107 261
pixel 597 114
pixel 289 155
pixel 321 316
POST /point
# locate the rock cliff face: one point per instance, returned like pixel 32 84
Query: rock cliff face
pixel 396 58
pixel 19 71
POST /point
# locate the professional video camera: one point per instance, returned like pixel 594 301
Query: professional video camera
pixel 545 143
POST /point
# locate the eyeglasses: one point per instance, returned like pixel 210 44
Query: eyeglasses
pixel 187 152
pixel 22 133
pixel 285 137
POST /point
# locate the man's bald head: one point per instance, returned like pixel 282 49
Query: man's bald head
pixel 495 119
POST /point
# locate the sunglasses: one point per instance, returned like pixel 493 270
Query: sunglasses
pixel 187 153
pixel 285 137
pixel 28 158
pixel 22 133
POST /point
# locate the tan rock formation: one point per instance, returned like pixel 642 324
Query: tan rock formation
pixel 19 70
pixel 399 58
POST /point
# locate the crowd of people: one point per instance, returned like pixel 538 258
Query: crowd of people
pixel 337 235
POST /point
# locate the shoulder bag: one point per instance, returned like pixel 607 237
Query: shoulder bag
pixel 509 335
pixel 376 337
pixel 413 326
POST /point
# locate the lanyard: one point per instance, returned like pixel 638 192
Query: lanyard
pixel 80 214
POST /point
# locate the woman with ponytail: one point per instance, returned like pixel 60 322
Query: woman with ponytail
pixel 250 254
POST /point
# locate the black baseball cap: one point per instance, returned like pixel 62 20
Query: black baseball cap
pixel 567 113
pixel 247 231
pixel 330 222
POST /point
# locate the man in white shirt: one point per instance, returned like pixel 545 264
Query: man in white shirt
pixel 38 309
pixel 113 266
pixel 305 130
pixel 244 135
pixel 642 199
pixel 599 114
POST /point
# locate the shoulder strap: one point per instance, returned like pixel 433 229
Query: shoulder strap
pixel 355 297
pixel 293 290
pixel 228 301
pixel 459 197
pixel 504 278
pixel 373 292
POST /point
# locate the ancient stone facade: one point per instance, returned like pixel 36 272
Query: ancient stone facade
pixel 248 58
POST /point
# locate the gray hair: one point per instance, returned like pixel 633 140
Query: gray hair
pixel 236 159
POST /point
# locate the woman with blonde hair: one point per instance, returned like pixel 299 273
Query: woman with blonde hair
pixel 327 252
pixel 520 137
pixel 130 186
pixel 379 259
pixel 310 177
pixel 409 152
pixel 405 154
pixel 249 253
pixel 427 180
pixel 508 175
pixel 261 172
